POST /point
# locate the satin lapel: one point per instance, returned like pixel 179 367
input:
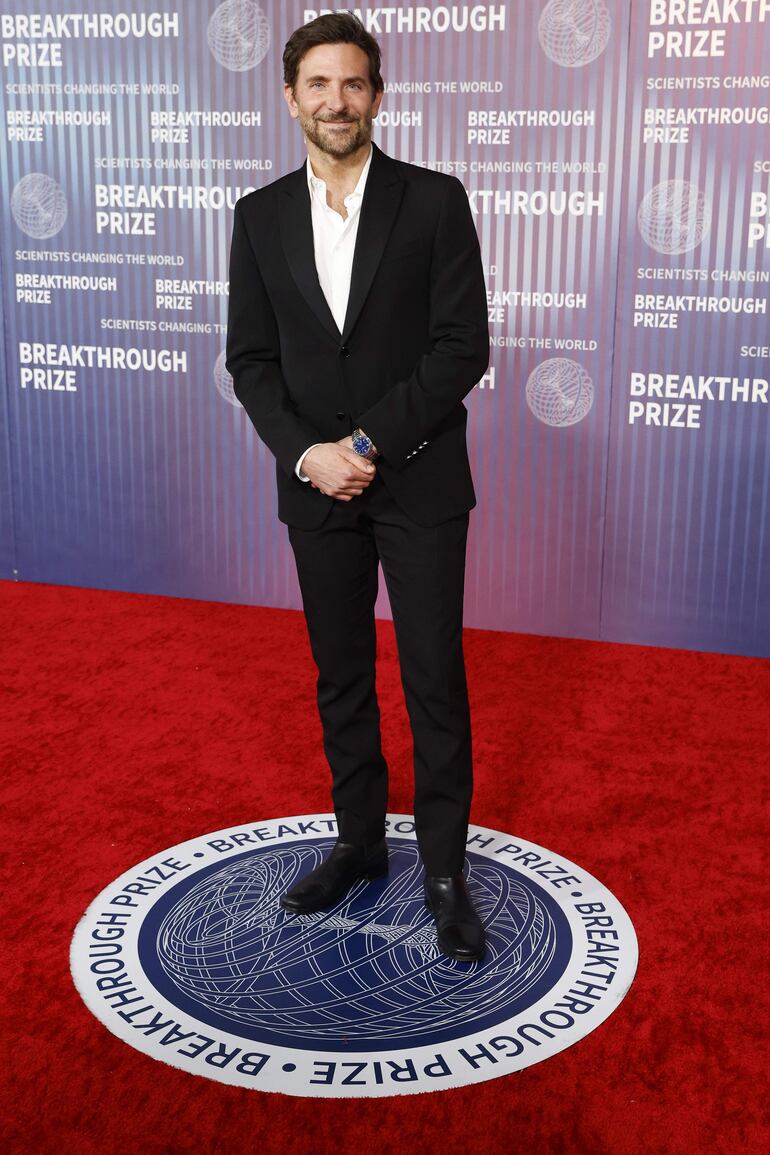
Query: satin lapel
pixel 297 239
pixel 384 190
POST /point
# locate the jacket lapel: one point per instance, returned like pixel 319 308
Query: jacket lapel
pixel 382 197
pixel 296 226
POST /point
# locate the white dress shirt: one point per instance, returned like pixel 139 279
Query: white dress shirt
pixel 334 243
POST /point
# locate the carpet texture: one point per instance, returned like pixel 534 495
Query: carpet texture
pixel 130 723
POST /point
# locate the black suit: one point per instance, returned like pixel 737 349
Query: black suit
pixel 414 343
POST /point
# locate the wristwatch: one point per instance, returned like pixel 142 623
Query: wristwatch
pixel 363 445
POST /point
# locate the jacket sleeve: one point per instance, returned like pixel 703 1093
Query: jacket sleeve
pixel 459 337
pixel 254 356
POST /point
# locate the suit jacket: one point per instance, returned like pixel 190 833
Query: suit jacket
pixel 414 342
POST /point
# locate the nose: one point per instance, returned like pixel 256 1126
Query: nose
pixel 335 98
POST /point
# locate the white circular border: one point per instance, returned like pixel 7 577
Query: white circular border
pixel 510 1046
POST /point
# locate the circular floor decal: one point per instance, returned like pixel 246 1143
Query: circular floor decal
pixel 189 958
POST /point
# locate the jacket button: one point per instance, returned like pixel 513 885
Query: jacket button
pixel 341 416
pixel 344 351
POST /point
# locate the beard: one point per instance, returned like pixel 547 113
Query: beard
pixel 334 142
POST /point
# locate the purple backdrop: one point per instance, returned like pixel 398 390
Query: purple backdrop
pixel 618 165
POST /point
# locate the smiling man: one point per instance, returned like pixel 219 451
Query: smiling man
pixel 357 324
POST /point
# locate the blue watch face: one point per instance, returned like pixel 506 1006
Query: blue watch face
pixel 362 444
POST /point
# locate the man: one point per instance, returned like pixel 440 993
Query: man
pixel 357 324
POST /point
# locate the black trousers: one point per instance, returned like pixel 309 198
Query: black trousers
pixel 424 571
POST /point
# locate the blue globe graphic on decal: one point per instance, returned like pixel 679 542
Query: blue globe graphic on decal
pixel 366 974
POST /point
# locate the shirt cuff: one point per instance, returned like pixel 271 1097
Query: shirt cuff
pixel 298 466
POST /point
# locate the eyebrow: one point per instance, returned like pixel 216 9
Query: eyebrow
pixel 347 80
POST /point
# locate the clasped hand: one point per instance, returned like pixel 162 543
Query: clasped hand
pixel 337 470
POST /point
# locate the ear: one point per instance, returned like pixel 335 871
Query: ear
pixel 288 95
pixel 376 104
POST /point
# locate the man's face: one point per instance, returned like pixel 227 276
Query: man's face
pixel 333 98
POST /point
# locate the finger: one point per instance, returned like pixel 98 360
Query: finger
pixel 358 463
pixel 357 477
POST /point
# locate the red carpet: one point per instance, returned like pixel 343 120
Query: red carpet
pixel 130 723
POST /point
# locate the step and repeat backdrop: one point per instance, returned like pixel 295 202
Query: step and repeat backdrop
pixel 617 161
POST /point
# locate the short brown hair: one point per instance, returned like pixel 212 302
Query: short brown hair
pixel 334 28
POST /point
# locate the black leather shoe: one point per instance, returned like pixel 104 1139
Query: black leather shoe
pixel 329 882
pixel 458 926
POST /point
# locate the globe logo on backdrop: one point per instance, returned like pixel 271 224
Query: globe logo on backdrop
pixel 189 958
pixel 238 35
pixel 674 217
pixel 223 380
pixel 559 392
pixel 574 32
pixel 39 206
